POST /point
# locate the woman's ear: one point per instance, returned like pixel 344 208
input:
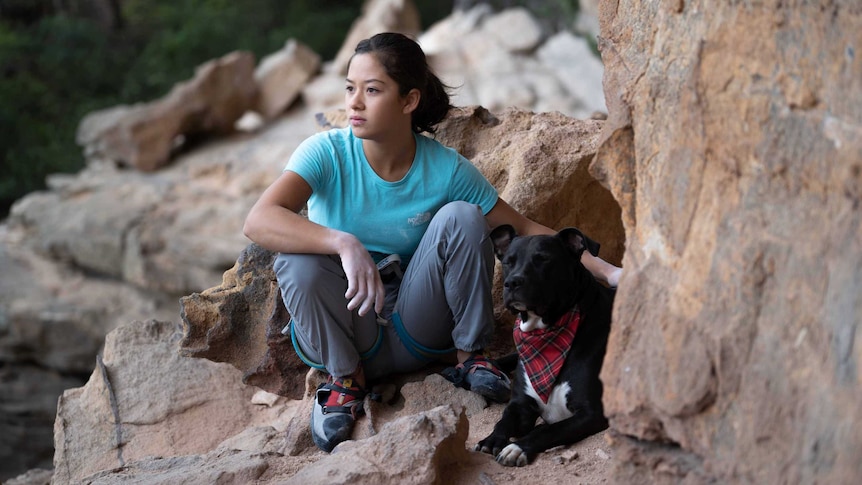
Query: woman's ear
pixel 411 101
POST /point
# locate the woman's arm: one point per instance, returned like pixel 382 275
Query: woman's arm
pixel 275 224
pixel 503 213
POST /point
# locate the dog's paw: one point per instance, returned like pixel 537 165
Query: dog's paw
pixel 512 455
pixel 491 445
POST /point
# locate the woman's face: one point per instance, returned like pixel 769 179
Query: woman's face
pixel 374 106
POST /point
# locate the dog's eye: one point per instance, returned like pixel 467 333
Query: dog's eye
pixel 539 258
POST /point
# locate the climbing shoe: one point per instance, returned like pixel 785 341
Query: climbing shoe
pixel 337 405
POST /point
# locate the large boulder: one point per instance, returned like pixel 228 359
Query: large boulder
pixel 282 75
pixel 416 449
pixel 733 144
pixel 240 322
pixel 144 400
pixel 144 135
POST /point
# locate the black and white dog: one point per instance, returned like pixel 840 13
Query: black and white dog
pixel 564 318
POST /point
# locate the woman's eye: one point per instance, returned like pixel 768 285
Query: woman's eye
pixel 349 89
pixel 372 90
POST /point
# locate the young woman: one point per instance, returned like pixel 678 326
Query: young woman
pixel 375 189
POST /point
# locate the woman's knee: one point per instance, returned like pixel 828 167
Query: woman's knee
pixel 302 270
pixel 460 211
pixel 459 226
pixel 461 217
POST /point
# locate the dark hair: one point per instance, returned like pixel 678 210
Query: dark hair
pixel 404 62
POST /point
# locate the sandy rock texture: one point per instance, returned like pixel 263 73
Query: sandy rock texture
pixel 734 146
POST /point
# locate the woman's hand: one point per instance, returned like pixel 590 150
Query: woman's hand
pixel 365 289
pixel 274 223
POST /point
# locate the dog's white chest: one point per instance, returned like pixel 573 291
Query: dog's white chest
pixel 555 409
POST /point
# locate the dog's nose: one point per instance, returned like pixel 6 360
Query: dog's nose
pixel 513 282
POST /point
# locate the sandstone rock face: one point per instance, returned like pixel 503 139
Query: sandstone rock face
pixel 143 136
pixel 734 145
pixel 539 163
pixel 240 322
pixel 133 405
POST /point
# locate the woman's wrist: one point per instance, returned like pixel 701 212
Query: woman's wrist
pixel 342 242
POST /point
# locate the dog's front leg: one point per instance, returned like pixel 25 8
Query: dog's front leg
pixel 518 419
pixel 586 422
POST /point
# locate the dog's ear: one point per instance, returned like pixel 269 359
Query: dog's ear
pixel 576 240
pixel 501 237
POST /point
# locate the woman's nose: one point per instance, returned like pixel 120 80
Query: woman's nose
pixel 354 99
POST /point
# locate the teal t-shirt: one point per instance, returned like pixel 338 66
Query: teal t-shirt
pixel 387 217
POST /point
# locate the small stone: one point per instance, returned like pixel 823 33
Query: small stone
pixel 264 398
pixel 570 455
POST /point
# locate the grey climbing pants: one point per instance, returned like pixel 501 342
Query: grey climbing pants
pixel 442 301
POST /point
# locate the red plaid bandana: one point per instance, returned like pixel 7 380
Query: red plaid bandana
pixel 543 351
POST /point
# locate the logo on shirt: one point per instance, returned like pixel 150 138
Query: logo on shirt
pixel 419 219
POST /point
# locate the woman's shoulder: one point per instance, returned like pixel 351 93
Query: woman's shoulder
pixel 436 149
pixel 334 142
pixel 334 136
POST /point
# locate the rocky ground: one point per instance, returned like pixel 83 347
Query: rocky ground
pixel 586 462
